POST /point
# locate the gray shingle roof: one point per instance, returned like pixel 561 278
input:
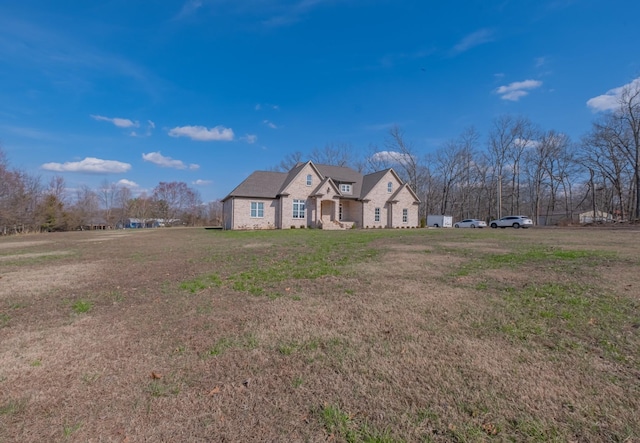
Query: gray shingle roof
pixel 269 184
pixel 342 174
pixel 260 184
pixel 370 180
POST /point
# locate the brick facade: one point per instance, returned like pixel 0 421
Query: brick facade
pixel 325 206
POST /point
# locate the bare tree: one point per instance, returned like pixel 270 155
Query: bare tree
pixel 502 140
pixel 289 161
pixel 87 207
pixel 333 154
pixel 449 166
pixel 19 198
pixel 108 195
pixel 628 115
pixel 174 200
pixel 603 154
pixel 123 199
pixel 140 207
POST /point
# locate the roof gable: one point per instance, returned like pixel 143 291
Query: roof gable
pixel 343 174
pixel 295 172
pixel 404 188
pixel 326 182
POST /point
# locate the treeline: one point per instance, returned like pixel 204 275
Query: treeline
pixel 517 168
pixel 28 205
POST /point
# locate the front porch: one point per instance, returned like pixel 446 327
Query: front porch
pixel 334 215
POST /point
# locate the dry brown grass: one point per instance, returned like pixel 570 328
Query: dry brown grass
pixel 428 338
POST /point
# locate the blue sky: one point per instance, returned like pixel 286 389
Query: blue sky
pixel 207 91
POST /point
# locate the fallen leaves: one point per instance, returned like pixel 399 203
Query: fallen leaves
pixel 214 391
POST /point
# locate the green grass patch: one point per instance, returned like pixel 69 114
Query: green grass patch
pixel 68 430
pixel 276 257
pixel 201 283
pixel 219 347
pixel 342 426
pixel 28 260
pixel 13 407
pixel 552 257
pixel 248 341
pixel 571 316
pixel 4 319
pixel 158 388
pixel 81 306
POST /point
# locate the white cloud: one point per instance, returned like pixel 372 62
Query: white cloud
pixel 260 106
pixel 149 130
pixel 540 61
pixel 526 143
pixel 167 162
pixel 611 99
pixel 201 182
pixel 128 184
pixel 475 39
pixel 270 124
pixel 391 157
pixel 90 164
pixel 516 90
pixel 119 122
pixel 250 138
pixel 201 133
pixel 188 9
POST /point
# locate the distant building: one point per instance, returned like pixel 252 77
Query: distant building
pixel 596 217
pixel 137 223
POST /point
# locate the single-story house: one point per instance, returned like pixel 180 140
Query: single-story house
pixel 136 223
pixel 321 196
pixel 94 224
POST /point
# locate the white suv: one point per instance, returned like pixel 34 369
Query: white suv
pixel 516 221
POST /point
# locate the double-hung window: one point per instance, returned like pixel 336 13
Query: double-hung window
pixel 257 209
pixel 376 215
pixel 309 179
pixel 405 215
pixel 390 187
pixel 345 189
pixel 298 208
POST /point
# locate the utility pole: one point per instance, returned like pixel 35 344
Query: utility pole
pixel 499 196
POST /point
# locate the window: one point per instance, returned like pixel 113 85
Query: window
pixel 345 189
pixel 405 215
pixel 376 215
pixel 298 208
pixel 389 187
pixel 257 209
pixel 309 178
pixel 340 212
